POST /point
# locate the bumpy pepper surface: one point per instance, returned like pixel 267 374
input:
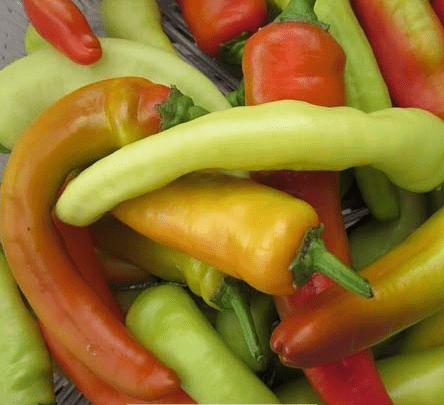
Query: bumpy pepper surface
pixel 80 128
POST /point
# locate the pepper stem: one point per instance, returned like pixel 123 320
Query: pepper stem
pixel 314 257
pixel 231 296
pixel 178 108
pixel 301 11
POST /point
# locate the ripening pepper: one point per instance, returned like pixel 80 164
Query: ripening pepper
pixel 81 127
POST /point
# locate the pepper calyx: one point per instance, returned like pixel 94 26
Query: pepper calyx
pixel 300 11
pixel 231 52
pixel 178 108
pixel 231 296
pixel 314 257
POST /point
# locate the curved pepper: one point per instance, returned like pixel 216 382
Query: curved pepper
pixel 64 25
pixel 438 7
pixel 28 83
pixel 408 287
pixel 78 129
pixel 214 23
pixel 408 41
pixel 167 320
pixel 284 134
pixel 25 363
pixel 204 280
pixel 138 20
pixel 246 230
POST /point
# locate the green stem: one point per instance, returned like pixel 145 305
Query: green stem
pixel 231 296
pixel 314 257
pixel 301 11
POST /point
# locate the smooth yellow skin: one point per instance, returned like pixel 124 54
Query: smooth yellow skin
pixel 405 143
pixel 244 229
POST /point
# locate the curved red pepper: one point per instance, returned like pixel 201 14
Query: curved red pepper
pixel 407 39
pixel 313 62
pixel 438 6
pixel 213 23
pixel 65 27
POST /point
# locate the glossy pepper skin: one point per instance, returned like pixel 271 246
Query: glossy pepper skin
pixel 79 244
pixel 246 230
pixel 64 25
pixel 408 288
pixel 408 41
pixel 83 126
pixel 213 23
pixel 351 380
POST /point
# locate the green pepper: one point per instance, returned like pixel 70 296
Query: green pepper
pixel 25 363
pixel 410 379
pixel 404 143
pixel 374 238
pixel 216 289
pixel 167 321
pixel 264 314
pixel 30 84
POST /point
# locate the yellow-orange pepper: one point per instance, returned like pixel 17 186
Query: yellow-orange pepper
pixel 247 230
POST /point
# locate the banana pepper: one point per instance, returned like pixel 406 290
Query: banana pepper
pixel 83 126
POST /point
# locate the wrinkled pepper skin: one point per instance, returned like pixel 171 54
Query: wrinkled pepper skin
pixel 408 41
pixel 26 374
pixel 64 25
pixel 408 288
pixel 78 129
pixel 213 23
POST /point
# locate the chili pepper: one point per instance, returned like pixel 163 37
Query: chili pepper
pixel 410 379
pixel 79 244
pixel 79 128
pixel 408 288
pixel 33 40
pixel 374 238
pixel 438 7
pixel 139 20
pixel 408 41
pixel 214 24
pixel 228 326
pixel 25 364
pixel 63 24
pixel 28 83
pixel 214 287
pixel 246 230
pixel 285 134
pixel 211 374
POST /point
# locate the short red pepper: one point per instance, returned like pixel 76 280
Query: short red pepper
pixel 296 58
pixel 65 27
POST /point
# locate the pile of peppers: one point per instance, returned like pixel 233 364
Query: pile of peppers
pixel 164 242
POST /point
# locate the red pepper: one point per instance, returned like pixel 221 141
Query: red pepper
pixel 438 6
pixel 313 71
pixel 65 27
pixel 213 23
pixel 80 247
pixel 407 39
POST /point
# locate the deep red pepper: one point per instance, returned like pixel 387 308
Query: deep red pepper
pixel 65 27
pixel 213 23
pixel 438 6
pixel 313 62
pixel 407 39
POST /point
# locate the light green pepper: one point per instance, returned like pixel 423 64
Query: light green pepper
pixel 406 144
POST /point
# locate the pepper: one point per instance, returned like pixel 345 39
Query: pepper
pixel 318 63
pixel 438 7
pixel 246 230
pixel 78 129
pixel 138 20
pixel 215 24
pixel 408 287
pixel 79 244
pixel 28 83
pixel 374 238
pixel 63 24
pixel 285 134
pixel 408 41
pixel 167 320
pixel 204 280
pixel 25 363
pixel 410 379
